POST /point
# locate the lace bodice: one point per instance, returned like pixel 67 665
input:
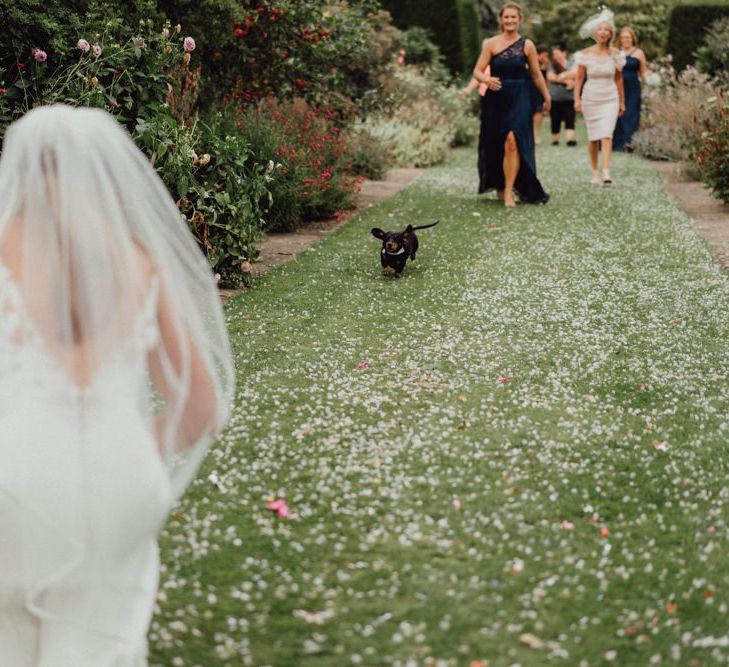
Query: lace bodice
pixel 26 362
pixel 600 84
pixel 511 62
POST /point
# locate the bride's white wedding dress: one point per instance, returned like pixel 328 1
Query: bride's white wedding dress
pixel 115 377
pixel 83 493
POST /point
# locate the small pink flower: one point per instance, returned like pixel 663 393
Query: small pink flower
pixel 21 67
pixel 40 56
pixel 83 45
pixel 3 91
pixel 96 49
pixel 400 60
pixel 279 507
pixel 188 44
pixel 503 379
pixel 456 504
pixel 362 365
pixel 567 525
pixel 165 32
pixel 246 267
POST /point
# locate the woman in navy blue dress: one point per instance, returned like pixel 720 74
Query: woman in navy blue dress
pixel 635 70
pixel 506 158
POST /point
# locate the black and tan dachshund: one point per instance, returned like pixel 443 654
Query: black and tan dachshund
pixel 397 247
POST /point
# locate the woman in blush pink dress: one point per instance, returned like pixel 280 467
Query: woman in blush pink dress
pixel 603 98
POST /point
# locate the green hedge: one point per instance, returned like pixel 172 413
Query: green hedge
pixel 453 25
pixel 687 28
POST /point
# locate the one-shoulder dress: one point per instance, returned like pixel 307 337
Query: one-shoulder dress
pixel 509 109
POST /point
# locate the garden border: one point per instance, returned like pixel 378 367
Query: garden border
pixel 279 248
pixel 710 217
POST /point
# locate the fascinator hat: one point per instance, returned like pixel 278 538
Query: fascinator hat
pixel 588 28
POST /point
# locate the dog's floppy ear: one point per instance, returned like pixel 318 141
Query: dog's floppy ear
pixel 378 233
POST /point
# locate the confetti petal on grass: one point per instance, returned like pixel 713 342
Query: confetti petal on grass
pixel 279 507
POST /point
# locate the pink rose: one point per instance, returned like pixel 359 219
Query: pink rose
pixel 83 45
pixel 96 49
pixel 189 44
pixel 40 56
pixel 3 91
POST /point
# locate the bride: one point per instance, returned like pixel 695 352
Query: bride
pixel 115 375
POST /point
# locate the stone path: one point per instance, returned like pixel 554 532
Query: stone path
pixel 709 215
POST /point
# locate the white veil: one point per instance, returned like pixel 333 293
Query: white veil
pixel 89 240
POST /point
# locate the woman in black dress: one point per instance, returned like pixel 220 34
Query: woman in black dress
pixel 506 143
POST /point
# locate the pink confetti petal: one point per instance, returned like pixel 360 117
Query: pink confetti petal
pixel 362 365
pixel 280 507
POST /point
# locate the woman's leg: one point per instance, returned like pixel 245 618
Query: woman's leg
pixel 607 151
pixel 511 168
pixel 592 150
pixel 537 122
pixel 569 124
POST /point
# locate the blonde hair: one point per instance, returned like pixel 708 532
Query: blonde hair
pixel 511 5
pixel 631 32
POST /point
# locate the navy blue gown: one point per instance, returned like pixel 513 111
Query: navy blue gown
pixel 509 109
pixel 629 123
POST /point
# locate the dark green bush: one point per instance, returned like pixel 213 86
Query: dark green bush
pixel 712 57
pixel 452 23
pixel 218 185
pixel 561 20
pixel 419 47
pixel 712 153
pixel 687 28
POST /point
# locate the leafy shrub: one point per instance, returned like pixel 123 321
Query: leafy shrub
pixel 131 74
pixel 419 47
pixel 452 23
pixel 52 25
pixel 219 189
pixel 713 56
pixel 687 29
pixel 260 48
pixel 671 122
pixel 304 145
pixel 425 116
pixel 560 21
pixel 712 151
pixel 418 132
pixel 367 156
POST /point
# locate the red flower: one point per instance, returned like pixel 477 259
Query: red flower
pixel 299 83
pixel 238 32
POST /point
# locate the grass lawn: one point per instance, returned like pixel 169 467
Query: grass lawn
pixel 531 469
